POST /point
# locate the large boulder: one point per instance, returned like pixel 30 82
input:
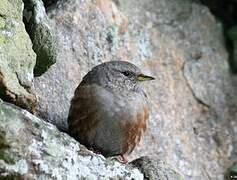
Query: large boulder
pixel 30 148
pixel 33 149
pixel 193 104
pixel 17 59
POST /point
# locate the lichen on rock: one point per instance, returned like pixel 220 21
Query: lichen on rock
pixel 17 59
pixel 32 148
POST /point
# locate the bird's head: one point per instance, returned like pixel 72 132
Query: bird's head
pixel 118 74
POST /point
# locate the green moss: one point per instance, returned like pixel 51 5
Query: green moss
pixel 41 34
pixel 4 146
pixel 7 9
pixel 2 40
pixel 2 23
pixel 18 59
pixel 5 157
pixel 2 26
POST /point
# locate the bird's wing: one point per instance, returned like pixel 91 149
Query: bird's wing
pixel 93 121
pixel 83 114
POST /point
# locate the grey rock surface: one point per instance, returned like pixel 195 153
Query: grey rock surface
pixel 41 34
pixel 156 169
pixel 193 102
pixel 231 172
pixel 17 59
pixel 30 148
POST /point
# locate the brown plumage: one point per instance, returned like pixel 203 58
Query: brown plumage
pixel 109 110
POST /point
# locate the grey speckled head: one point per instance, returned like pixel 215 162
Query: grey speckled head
pixel 116 74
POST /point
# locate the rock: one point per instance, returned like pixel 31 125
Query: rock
pixel 231 172
pixel 193 100
pixel 155 169
pixel 41 34
pixel 226 12
pixel 17 58
pixel 33 149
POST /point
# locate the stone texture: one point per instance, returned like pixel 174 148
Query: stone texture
pixel 155 169
pixel 193 103
pixel 41 34
pixel 17 58
pixel 231 173
pixel 226 11
pixel 33 149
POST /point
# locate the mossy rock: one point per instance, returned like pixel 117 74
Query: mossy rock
pixel 41 34
pixel 17 59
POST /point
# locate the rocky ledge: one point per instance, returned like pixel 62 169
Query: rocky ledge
pixel 30 148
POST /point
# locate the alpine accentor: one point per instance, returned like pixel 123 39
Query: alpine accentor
pixel 109 109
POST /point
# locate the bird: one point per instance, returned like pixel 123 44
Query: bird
pixel 109 110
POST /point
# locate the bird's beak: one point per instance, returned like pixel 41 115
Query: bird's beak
pixel 142 77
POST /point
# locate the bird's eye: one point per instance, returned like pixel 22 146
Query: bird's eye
pixel 126 73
